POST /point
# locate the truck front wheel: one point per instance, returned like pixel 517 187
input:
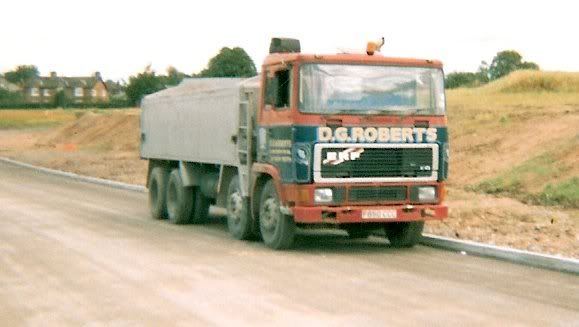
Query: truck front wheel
pixel 404 234
pixel 179 199
pixel 277 229
pixel 157 192
pixel 239 221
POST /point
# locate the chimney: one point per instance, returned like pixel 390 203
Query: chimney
pixel 52 74
pixel 97 75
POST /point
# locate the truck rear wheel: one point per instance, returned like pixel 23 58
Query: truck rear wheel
pixel 157 192
pixel 239 221
pixel 179 199
pixel 404 234
pixel 277 229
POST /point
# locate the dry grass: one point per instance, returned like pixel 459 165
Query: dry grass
pixel 518 142
pixel 15 119
pixel 535 81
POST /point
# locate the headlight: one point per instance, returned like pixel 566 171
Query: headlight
pixel 302 153
pixel 323 195
pixel 426 194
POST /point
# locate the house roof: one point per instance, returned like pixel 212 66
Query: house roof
pixel 84 82
pixel 56 82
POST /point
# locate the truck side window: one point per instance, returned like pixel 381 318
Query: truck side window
pixel 278 88
pixel 283 89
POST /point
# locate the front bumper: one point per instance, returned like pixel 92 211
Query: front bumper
pixel 353 214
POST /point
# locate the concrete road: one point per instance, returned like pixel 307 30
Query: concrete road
pixel 81 254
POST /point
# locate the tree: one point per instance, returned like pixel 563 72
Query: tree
pixel 60 100
pixel 230 63
pixel 10 98
pixel 144 83
pixel 22 74
pixel 460 79
pixel 506 62
pixel 468 79
pixel 174 76
pixel 483 72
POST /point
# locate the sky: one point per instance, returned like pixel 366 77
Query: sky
pixel 121 37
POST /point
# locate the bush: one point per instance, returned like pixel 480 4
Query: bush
pixel 565 194
pixel 60 100
pixel 144 83
pixel 462 79
pixel 7 97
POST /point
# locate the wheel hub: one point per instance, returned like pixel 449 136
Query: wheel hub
pixel 270 213
pixel 235 206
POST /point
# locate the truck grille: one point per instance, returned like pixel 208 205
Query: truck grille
pixel 376 162
pixel 378 194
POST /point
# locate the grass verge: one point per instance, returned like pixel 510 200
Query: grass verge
pixel 19 119
pixel 547 179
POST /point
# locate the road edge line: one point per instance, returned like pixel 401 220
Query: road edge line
pixel 522 257
pixel 77 177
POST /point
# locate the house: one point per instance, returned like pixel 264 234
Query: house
pixel 5 85
pixel 76 90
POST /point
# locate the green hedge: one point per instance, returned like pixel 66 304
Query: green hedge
pixel 115 104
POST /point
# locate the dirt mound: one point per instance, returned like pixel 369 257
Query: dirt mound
pixel 535 81
pixel 111 130
pixel 522 145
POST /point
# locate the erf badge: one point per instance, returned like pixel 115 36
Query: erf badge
pixel 336 158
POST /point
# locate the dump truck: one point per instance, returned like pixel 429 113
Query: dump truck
pixel 350 141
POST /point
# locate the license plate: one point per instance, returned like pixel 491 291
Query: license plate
pixel 379 214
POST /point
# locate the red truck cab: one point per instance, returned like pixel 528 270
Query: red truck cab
pixel 356 141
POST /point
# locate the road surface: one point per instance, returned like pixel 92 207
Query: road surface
pixel 73 253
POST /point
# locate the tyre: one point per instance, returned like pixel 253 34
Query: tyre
pixel 179 199
pixel 404 234
pixel 201 204
pixel 277 229
pixel 157 192
pixel 239 222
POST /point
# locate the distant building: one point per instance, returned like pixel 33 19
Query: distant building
pixel 76 90
pixel 5 85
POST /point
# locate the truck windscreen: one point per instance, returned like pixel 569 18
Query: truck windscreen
pixel 371 89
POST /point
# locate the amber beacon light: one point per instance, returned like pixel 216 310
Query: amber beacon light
pixel 374 46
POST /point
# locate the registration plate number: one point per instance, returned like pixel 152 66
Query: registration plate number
pixel 379 214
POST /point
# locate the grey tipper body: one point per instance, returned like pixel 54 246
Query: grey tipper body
pixel 195 120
